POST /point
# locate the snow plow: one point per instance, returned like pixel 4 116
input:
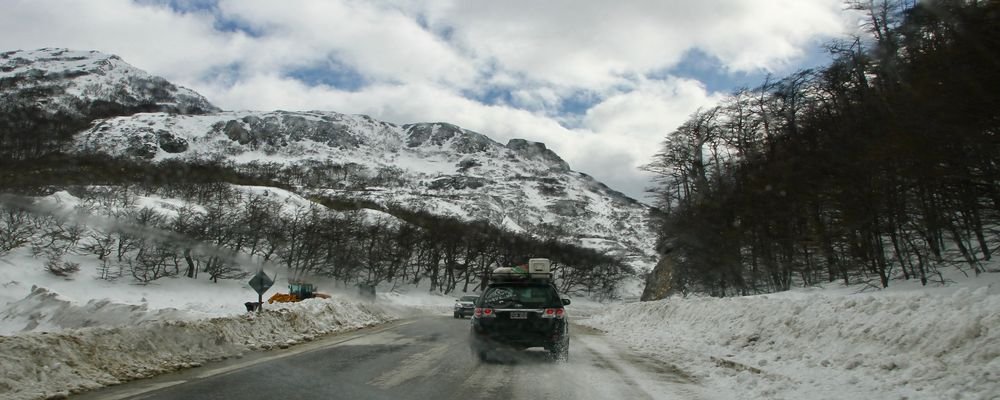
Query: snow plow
pixel 297 291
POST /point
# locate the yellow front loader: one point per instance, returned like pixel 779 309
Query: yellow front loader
pixel 297 291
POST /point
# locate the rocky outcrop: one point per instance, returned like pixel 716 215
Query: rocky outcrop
pixel 280 128
pixel 458 182
pixel 569 208
pixel 439 134
pixel 658 282
pixel 170 142
pixel 538 151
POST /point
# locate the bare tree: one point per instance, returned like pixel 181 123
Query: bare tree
pixel 15 231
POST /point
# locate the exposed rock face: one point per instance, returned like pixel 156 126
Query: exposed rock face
pixel 658 282
pixel 146 142
pixel 569 208
pixel 467 164
pixel 234 130
pixel 441 134
pixel 145 150
pixel 458 182
pixel 536 150
pixel 171 143
pixel 551 187
pixel 278 129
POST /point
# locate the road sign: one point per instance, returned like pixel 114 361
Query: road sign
pixel 261 282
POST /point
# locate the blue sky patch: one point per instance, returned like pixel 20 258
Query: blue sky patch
pixel 222 23
pixel 491 96
pixel 709 70
pixel 716 77
pixel 333 74
pixel 233 26
pixel 578 103
pixel 184 6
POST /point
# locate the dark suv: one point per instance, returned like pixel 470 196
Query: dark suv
pixel 465 306
pixel 518 315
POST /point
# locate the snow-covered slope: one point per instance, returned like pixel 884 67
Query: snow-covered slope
pixel 89 83
pixel 434 167
pixel 910 342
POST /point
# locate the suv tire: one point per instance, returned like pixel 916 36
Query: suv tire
pixel 560 353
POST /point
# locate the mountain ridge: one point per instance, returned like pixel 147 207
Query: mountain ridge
pixel 64 79
pixel 437 167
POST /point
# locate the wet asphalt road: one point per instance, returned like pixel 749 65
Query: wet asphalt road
pixel 424 358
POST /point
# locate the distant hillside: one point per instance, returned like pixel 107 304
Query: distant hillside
pixel 434 167
pixel 101 114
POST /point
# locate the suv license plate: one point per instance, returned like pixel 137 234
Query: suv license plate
pixel 518 315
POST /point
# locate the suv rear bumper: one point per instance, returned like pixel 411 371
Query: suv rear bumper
pixel 483 340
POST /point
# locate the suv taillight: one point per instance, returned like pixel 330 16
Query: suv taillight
pixel 484 312
pixel 556 313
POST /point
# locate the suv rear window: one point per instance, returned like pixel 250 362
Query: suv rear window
pixel 521 296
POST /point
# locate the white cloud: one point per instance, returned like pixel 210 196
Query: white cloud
pixel 651 108
pixel 633 124
pixel 769 34
pixel 541 98
pixel 596 44
pixel 379 42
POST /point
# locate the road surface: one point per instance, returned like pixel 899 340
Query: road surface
pixel 422 358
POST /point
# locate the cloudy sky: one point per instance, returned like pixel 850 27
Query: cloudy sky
pixel 600 82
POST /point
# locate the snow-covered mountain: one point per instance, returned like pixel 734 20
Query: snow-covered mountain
pixel 434 167
pixel 89 83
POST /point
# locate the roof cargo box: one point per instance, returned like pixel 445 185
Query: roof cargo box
pixel 536 269
pixel 539 268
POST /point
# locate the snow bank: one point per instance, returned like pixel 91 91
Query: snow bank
pixel 583 307
pixel 38 365
pixel 43 310
pixel 926 344
pixel 32 299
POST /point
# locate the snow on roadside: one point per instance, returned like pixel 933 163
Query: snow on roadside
pixel 933 343
pixel 39 365
pixel 582 307
pixel 74 334
pixel 44 310
pixel 35 300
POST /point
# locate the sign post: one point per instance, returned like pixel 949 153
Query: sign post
pixel 260 283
